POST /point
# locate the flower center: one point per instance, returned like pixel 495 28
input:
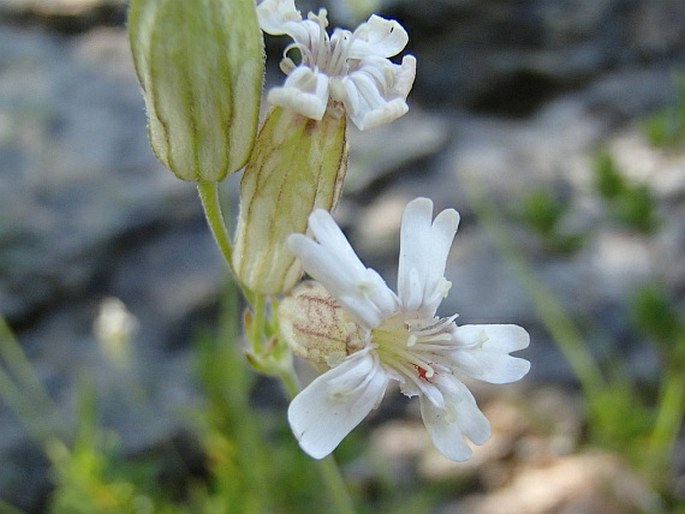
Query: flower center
pixel 323 54
pixel 413 348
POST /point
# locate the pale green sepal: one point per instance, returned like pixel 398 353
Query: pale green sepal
pixel 201 66
pixel 298 164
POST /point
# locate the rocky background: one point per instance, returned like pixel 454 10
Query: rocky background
pixel 511 97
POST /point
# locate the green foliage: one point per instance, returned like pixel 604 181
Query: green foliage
pixel 631 205
pixel 250 470
pixel 247 470
pixel 654 316
pixel 86 481
pixel 666 128
pixel 608 180
pixel 619 419
pixel 543 214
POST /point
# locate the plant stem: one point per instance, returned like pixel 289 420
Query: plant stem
pixel 290 383
pixel 21 389
pixel 669 418
pixel 330 472
pixel 336 485
pixel 18 364
pixel 209 197
pixel 258 324
pixel 552 314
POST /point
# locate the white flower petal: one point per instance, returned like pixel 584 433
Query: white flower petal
pixel 403 78
pixel 304 92
pixel 332 262
pixel 388 112
pixel 276 16
pixel 460 418
pixel 424 247
pixel 373 89
pixel 380 37
pixel 482 351
pixel 365 99
pixel 336 402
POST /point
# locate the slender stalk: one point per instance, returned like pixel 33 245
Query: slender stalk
pixel 669 418
pixel 336 484
pixel 290 383
pixel 330 472
pixel 19 366
pixel 552 314
pixel 21 389
pixel 28 415
pixel 209 196
pixel 6 508
pixel 258 322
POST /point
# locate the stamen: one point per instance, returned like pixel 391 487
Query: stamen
pixel 338 59
pixel 320 54
pixel 305 54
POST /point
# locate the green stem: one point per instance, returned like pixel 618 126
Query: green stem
pixel 566 335
pixel 22 390
pixel 336 485
pixel 18 364
pixel 257 327
pixel 6 508
pixel 669 418
pixel 209 196
pixel 28 415
pixel 290 382
pixel 330 472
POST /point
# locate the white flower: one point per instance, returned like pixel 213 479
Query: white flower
pixel 348 67
pixel 404 340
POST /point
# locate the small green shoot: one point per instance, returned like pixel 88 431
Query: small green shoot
pixel 543 214
pixel 631 205
pixel 665 129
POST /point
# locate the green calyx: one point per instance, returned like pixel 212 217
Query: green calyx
pixel 200 65
pixel 298 164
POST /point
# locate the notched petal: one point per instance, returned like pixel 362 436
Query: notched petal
pixel 489 346
pixel 274 16
pixel 460 418
pixel 336 402
pixel 304 92
pixel 379 36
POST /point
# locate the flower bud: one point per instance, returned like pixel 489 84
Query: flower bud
pixel 316 327
pixel 298 164
pixel 200 65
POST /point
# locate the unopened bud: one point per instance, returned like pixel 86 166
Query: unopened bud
pixel 316 328
pixel 298 164
pixel 200 65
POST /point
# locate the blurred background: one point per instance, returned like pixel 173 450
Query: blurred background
pixel 555 127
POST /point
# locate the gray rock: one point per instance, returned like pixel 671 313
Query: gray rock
pixel 511 56
pixel 551 151
pixel 77 170
pixel 87 212
pixel 65 15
